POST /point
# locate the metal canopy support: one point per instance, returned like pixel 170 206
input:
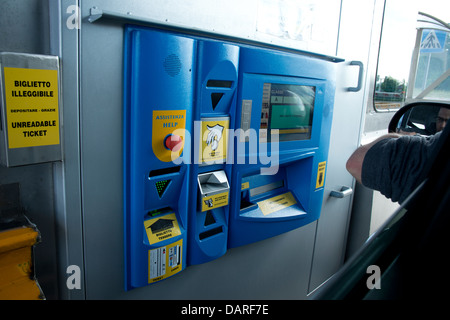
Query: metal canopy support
pixel 434 85
pixel 96 14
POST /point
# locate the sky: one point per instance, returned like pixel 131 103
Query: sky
pixel 398 43
pixel 438 8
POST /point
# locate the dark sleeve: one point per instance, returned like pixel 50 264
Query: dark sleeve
pixel 394 166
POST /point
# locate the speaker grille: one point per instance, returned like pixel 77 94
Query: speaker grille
pixel 172 65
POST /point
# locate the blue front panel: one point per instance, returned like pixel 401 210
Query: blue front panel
pixel 216 99
pixel 285 104
pixel 159 95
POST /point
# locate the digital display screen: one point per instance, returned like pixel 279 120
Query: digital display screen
pixel 288 108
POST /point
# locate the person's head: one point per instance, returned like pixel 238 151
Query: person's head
pixel 442 118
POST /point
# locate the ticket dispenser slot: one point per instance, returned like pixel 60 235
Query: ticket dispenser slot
pixel 213 196
pixel 284 108
pixel 214 115
pixel 213 190
pixel 158 104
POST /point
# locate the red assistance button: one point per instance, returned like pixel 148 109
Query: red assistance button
pixel 173 142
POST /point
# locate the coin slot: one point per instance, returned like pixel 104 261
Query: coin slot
pixel 219 84
pixel 210 233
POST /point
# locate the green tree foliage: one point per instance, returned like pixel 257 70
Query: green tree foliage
pixel 389 84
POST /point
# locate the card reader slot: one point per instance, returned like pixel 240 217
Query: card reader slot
pixel 219 84
pixel 160 172
pixel 210 233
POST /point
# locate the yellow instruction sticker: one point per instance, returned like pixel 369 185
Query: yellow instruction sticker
pixel 32 109
pixel 277 203
pixel 215 201
pixel 321 174
pixel 162 228
pixel 165 261
pixel 214 141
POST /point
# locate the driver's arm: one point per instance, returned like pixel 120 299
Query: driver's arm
pixel 355 162
pixel 393 164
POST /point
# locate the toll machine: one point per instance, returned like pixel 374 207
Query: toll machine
pixel 285 104
pixel 180 94
pixel 224 144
